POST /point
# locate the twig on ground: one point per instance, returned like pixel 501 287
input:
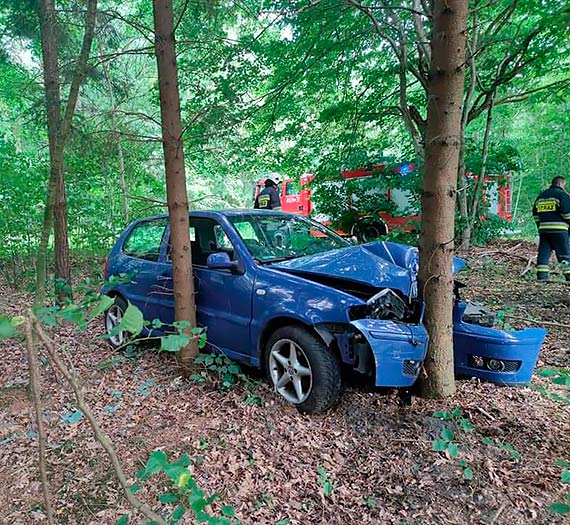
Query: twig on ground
pixel 528 267
pixel 35 389
pixel 485 413
pixel 100 436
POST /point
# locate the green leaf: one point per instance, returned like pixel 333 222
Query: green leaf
pixel 123 520
pixel 559 508
pixel 463 463
pixel 132 320
pixel 105 302
pixel 327 488
pixel 466 425
pixel 442 415
pixel 439 445
pixel 134 488
pixel 178 513
pixel 562 463
pixel 156 323
pixel 468 474
pixel 456 412
pixel 6 328
pixel 168 497
pixel 453 450
pixel 565 476
pixel 174 342
pixel 322 471
pixel 548 372
pixel 228 511
pixel 447 434
pixel 156 461
pixel 286 521
pixel 562 380
pixel 488 441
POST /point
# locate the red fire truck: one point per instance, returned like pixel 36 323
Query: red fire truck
pixel 296 198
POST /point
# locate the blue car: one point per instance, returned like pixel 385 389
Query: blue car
pixel 284 293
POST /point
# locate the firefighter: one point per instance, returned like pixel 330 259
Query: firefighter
pixel 551 212
pixel 268 198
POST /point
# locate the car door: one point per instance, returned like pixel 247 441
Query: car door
pixel 223 298
pixel 141 256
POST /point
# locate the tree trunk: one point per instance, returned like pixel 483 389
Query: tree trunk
pixel 176 194
pixel 481 179
pixel 463 198
pixel 58 131
pixel 119 143
pixel 48 27
pixel 443 141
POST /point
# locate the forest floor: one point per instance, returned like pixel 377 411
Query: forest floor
pixel 263 460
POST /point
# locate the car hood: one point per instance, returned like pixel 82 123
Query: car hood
pixel 379 264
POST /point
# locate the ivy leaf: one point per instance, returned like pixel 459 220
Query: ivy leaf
pixel 286 521
pixel 562 463
pixel 548 372
pixel 466 425
pixel 487 441
pixel 135 488
pixel 447 434
pixel 468 474
pixel 123 520
pixel 565 476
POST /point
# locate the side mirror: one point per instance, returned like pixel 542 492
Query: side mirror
pixel 221 261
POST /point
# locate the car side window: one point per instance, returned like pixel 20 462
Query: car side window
pixel 145 240
pixel 209 237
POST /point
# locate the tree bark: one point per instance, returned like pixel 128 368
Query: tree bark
pixel 176 194
pixel 443 141
pixel 479 184
pixel 58 132
pixel 48 28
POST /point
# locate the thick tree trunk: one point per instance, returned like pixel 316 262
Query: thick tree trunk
pixel 443 141
pixel 58 131
pixel 177 197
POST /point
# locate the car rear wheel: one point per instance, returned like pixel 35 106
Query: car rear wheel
pixel 113 317
pixel 302 369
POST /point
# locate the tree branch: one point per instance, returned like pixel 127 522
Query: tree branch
pixel 100 436
pixel 35 387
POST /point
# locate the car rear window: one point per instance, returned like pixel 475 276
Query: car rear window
pixel 145 240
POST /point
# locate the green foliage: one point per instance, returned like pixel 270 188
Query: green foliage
pixel 325 482
pixel 515 454
pixel 183 492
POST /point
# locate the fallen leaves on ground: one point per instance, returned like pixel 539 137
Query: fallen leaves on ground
pixel 266 461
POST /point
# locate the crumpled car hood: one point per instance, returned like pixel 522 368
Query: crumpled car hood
pixel 379 264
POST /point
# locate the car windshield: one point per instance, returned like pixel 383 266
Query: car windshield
pixel 271 238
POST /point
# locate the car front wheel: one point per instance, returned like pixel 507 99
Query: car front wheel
pixel 113 318
pixel 302 369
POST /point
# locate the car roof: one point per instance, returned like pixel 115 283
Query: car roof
pixel 223 213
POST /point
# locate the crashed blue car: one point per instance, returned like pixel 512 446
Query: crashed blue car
pixel 284 293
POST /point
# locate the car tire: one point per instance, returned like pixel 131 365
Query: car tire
pixel 112 318
pixel 302 369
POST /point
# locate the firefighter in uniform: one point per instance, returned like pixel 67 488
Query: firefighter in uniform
pixel 268 198
pixel 551 213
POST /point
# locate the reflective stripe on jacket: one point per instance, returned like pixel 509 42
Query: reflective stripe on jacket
pixel 551 210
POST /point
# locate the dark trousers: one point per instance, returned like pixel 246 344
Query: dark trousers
pixel 560 243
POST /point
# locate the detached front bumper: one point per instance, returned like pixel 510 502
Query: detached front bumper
pixel 398 350
pixel 500 356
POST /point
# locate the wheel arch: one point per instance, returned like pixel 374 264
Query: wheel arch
pixel 282 321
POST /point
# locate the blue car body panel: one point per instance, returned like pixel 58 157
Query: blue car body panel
pixel 517 349
pixel 238 307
